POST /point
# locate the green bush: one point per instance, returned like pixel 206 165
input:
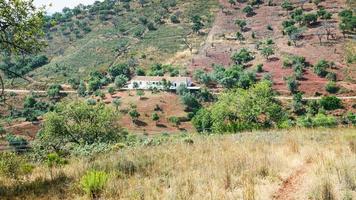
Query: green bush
pixel 331 87
pixel 243 56
pixel 240 109
pixel 94 124
pixel 351 118
pixel 13 166
pixel 321 67
pixel 319 120
pixel 330 103
pixel 93 183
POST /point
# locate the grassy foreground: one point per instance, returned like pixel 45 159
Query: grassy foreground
pixel 298 163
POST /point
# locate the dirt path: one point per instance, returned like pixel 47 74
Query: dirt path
pixel 37 91
pixel 292 184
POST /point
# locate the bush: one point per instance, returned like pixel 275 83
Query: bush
pixel 94 123
pixel 54 91
pixel 175 19
pixel 292 84
pixel 119 69
pixel 331 87
pixel 93 183
pixel 351 118
pixel 319 120
pixel 243 56
pixel 321 67
pixel 331 76
pixel 13 166
pixel 259 68
pixel 120 81
pixel 240 109
pixel 330 103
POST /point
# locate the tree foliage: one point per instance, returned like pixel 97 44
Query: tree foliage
pixel 241 109
pixel 78 123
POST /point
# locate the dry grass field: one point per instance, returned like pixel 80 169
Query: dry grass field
pixel 290 164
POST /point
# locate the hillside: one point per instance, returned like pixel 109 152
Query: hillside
pixel 89 38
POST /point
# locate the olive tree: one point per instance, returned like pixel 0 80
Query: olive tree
pixel 78 123
pixel 20 30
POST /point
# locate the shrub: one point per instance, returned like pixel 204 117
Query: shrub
pixel 54 160
pixel 54 90
pixel 119 69
pixel 319 120
pixel 175 19
pixel 248 10
pixel 94 123
pixel 321 67
pixel 331 87
pixel 330 103
pixel 310 18
pixel 259 68
pixel 93 183
pixel 120 81
pixel 243 56
pixel 13 166
pixel 292 84
pixel 331 76
pixel 241 109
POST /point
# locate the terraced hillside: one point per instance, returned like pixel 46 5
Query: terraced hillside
pixel 89 38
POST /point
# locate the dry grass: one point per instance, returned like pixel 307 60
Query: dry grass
pixel 243 166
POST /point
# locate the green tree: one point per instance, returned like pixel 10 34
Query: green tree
pixel 155 117
pixel 140 93
pixel 117 103
pixel 82 89
pixel 239 36
pixel 240 109
pixel 197 23
pixel 175 121
pixel 310 18
pixel 20 30
pixel 330 102
pixel 243 56
pixel 54 91
pixel 13 166
pixel 93 124
pixel 331 87
pixel 134 114
pixel 267 51
pixel 232 2
pixel 248 10
pixel 241 23
pixel 120 81
pixel 119 69
pixel 321 67
pixel 292 84
pixel 287 5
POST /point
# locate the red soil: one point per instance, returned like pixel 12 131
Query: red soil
pixel 168 102
pixel 217 49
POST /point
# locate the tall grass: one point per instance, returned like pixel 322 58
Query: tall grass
pixel 249 165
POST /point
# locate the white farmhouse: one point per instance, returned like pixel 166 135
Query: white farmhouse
pixel 159 82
